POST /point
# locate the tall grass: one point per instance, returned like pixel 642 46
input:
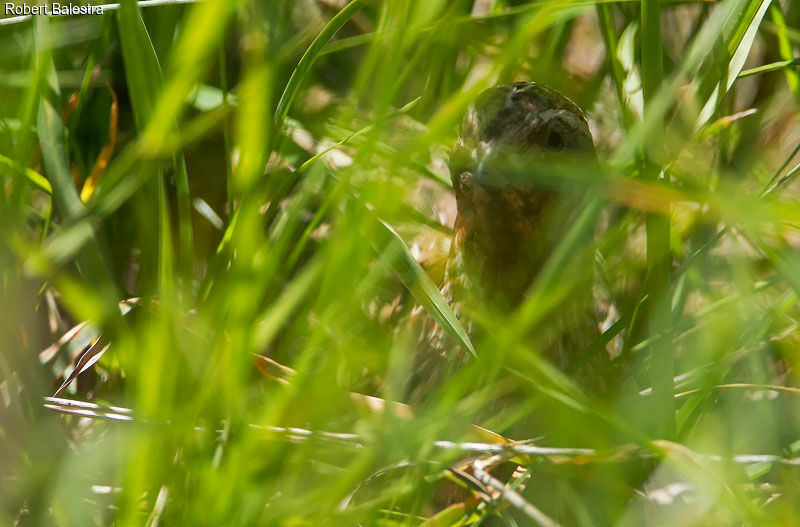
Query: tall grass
pixel 242 275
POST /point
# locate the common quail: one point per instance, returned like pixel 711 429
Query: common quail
pixel 510 216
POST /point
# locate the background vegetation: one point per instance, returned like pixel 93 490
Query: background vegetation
pixel 212 213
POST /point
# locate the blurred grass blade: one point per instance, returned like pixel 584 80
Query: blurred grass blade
pixel 54 153
pixel 658 237
pixel 773 66
pixel 142 71
pixel 632 98
pixel 268 324
pixel 145 86
pixel 785 49
pixel 548 290
pixel 722 123
pixel 31 176
pixel 618 74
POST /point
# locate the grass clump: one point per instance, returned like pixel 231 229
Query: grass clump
pixel 218 217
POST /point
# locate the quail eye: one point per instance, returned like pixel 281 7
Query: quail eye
pixel 555 140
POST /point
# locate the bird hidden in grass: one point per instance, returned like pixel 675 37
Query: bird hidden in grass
pixel 510 169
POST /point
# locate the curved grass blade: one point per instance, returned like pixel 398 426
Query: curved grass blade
pixel 310 57
pixel 106 152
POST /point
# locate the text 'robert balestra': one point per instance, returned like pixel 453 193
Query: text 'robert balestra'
pixel 53 9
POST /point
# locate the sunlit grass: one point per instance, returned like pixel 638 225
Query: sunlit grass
pixel 279 173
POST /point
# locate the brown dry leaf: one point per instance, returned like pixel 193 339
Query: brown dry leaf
pixel 107 151
pixel 87 360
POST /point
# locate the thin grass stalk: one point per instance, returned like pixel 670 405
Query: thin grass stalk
pixel 310 57
pixel 609 33
pixel 658 253
pixel 185 236
pixel 226 129
pixel 786 51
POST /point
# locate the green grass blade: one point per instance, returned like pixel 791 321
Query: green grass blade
pixel 145 85
pixel 658 238
pixel 310 57
pixel 397 256
pixel 609 33
pixel 31 176
pixel 785 49
pixel 773 66
pixel 54 150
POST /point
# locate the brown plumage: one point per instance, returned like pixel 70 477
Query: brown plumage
pixel 508 211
